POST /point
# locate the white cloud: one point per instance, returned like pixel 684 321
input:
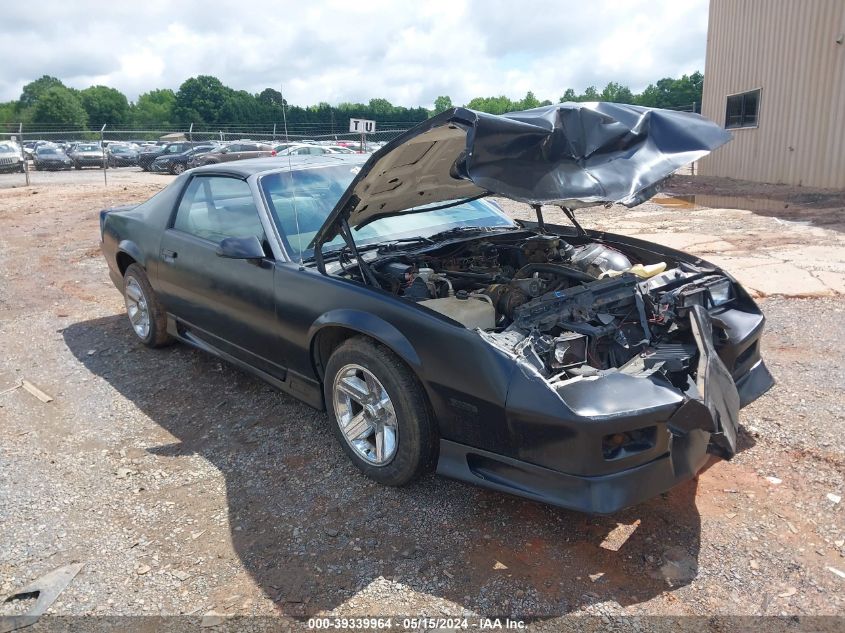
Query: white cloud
pixel 335 50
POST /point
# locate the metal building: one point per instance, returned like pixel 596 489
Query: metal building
pixel 775 76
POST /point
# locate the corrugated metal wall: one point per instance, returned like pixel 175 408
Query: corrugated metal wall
pixel 788 49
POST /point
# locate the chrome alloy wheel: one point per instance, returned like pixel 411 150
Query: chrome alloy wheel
pixel 137 309
pixel 365 415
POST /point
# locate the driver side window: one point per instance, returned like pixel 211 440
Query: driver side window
pixel 216 207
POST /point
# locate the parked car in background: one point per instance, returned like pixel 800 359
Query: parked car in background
pixel 120 155
pixel 147 156
pixel 339 149
pixel 30 147
pixel 238 150
pixel 11 157
pixel 86 155
pixel 305 149
pixel 177 163
pixel 51 158
pixel 280 147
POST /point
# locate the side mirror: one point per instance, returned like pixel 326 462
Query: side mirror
pixel 224 150
pixel 241 248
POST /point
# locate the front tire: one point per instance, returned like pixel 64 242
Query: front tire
pixel 177 168
pixel 146 314
pixel 379 412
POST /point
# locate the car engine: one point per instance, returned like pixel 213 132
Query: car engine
pixel 568 308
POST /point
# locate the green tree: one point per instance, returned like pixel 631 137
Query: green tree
pixel 616 93
pixel 673 93
pixel 104 105
pixel 239 106
pixel 34 89
pixel 494 105
pixel 8 112
pixel 442 103
pixel 569 95
pixel 530 101
pixel 200 100
pixel 58 105
pixel 271 97
pixel 154 108
pixel 650 96
pixel 381 108
pixel 590 94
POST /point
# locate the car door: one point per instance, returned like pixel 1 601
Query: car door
pixel 248 150
pixel 225 303
pixel 233 152
pixel 257 150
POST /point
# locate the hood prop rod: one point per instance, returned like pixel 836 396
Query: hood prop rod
pixel 318 257
pixel 571 216
pixel 541 224
pixel 346 232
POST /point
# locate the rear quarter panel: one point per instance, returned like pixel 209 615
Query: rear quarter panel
pixel 137 231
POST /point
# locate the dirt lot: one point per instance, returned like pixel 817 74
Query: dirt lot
pixel 189 487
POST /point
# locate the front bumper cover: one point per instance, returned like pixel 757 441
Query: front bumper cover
pixel 557 456
pixel 684 456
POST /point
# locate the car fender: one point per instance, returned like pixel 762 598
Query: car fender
pixel 371 325
pixel 131 249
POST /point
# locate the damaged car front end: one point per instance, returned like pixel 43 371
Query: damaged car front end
pixel 630 360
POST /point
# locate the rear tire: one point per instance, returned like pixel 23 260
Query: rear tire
pixel 146 315
pixel 177 168
pixel 387 394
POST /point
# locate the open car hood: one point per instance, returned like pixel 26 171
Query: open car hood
pixel 569 154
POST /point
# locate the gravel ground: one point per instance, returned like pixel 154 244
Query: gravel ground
pixel 189 487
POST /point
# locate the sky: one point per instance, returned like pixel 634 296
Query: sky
pixel 341 50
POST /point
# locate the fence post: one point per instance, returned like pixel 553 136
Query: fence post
pixel 274 131
pixel 23 153
pixel 191 133
pixel 103 150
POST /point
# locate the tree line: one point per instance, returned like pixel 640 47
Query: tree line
pixel 206 102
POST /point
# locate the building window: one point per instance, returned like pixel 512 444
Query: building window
pixel 742 109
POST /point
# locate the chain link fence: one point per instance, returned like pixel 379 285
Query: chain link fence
pixel 19 143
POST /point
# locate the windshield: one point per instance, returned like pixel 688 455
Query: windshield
pixel 87 148
pixel 315 192
pixel 47 150
pixel 5 148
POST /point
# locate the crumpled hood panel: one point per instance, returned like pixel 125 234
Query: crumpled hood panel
pixel 570 154
pixel 580 154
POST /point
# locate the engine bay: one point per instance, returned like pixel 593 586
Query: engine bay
pixel 569 307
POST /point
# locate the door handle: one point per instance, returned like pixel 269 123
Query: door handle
pixel 169 256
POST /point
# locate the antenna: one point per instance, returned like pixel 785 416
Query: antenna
pixel 290 171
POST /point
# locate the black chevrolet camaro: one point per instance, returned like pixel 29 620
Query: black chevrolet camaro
pixel 579 368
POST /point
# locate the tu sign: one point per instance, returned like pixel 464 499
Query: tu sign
pixel 362 126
